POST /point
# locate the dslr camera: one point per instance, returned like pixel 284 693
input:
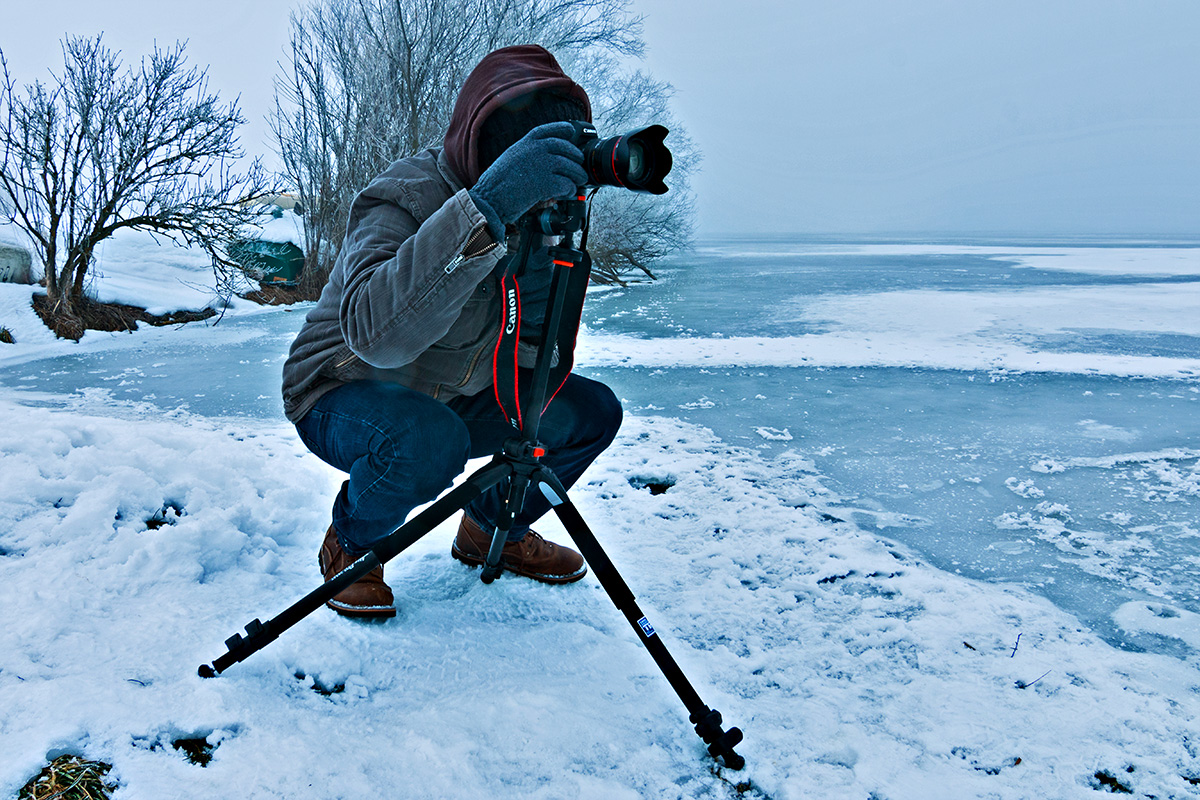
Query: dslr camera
pixel 637 160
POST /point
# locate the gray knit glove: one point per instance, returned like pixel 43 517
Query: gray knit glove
pixel 543 165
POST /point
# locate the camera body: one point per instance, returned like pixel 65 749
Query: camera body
pixel 638 160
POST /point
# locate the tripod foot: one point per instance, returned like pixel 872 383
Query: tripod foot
pixel 720 742
pixel 206 671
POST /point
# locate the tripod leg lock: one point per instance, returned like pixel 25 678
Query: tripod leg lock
pixel 258 635
pixel 720 742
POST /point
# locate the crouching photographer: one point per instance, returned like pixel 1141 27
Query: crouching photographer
pixel 446 332
pixel 391 377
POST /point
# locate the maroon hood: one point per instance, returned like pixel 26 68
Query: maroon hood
pixel 501 76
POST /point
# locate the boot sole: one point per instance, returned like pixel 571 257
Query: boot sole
pixel 478 561
pixel 362 612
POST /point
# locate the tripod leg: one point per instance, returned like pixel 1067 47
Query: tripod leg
pixel 707 721
pixel 260 634
pixel 512 506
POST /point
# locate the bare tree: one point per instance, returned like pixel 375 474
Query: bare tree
pixel 371 81
pixel 630 231
pixel 104 148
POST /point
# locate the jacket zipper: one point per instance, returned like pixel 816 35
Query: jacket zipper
pixel 479 236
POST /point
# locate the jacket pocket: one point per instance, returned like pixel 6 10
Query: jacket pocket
pixel 345 366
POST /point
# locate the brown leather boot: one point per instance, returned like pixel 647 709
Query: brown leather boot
pixel 369 596
pixel 532 557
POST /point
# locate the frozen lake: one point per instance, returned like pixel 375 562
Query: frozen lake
pixel 1013 411
pixel 1016 412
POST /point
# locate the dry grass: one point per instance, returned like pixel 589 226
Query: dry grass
pixel 6 336
pixel 274 294
pixel 70 778
pixel 96 316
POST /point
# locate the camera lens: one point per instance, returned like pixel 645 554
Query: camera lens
pixel 637 161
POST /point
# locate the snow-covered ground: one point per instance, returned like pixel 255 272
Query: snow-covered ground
pixel 135 538
pixel 852 667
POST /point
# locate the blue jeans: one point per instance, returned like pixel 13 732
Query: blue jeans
pixel 402 448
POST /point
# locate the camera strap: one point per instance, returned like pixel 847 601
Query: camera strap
pixel 505 372
pixel 513 383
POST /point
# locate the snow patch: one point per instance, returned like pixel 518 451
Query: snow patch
pixel 1025 489
pixel 1160 619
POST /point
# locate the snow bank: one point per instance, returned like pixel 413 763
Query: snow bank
pixel 854 350
pixel 1032 330
pixel 17 314
pixel 855 669
pixel 34 341
pixel 135 268
pixel 141 270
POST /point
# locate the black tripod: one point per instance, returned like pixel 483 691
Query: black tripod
pixel 519 462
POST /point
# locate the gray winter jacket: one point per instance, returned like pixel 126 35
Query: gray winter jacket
pixel 412 297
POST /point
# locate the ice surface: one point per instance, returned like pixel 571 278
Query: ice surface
pixel 930 383
pixel 1147 260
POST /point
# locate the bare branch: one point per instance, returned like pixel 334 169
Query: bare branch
pixel 106 148
pixel 371 81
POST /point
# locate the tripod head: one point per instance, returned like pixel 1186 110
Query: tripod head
pixel 563 218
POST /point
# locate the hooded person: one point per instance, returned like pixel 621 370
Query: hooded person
pixel 390 377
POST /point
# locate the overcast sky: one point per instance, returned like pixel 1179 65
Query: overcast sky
pixel 857 116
